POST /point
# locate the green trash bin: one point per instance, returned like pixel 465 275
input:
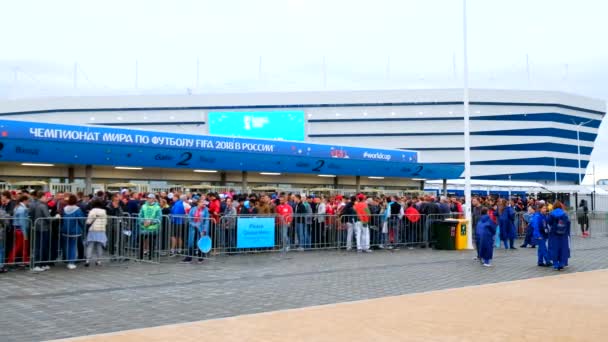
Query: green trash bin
pixel 445 234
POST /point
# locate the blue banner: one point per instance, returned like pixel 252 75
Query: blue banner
pixel 84 145
pixel 255 232
pixel 127 137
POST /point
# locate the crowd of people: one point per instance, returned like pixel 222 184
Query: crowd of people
pixel 547 227
pixel 72 227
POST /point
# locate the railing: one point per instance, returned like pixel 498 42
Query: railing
pixel 48 241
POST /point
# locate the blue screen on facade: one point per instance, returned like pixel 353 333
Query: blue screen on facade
pixel 278 125
pixel 255 232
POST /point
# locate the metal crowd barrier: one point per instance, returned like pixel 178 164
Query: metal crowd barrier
pixel 69 240
pixel 53 240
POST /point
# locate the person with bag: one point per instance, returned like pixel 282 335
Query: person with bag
pixel 199 223
pixel 559 234
pixel 115 213
pixel 540 234
pixel 486 229
pixel 72 227
pixel 349 218
pixel 96 232
pixel 506 217
pixel 582 216
pixel 527 219
pixel 394 214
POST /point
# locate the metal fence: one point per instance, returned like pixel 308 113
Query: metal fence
pixel 76 240
pixel 48 241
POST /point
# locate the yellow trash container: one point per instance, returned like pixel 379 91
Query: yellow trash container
pixel 462 229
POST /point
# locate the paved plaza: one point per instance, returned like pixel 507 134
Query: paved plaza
pixel 119 296
pixel 472 313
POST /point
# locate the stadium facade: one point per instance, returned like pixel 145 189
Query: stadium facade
pixel 515 134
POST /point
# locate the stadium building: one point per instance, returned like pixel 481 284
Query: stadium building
pixel 518 135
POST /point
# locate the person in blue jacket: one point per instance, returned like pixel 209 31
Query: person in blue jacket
pixel 72 228
pixel 486 229
pixel 198 227
pixel 559 233
pixel 540 234
pixel 506 220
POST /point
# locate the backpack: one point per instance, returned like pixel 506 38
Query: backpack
pixel 580 213
pixel 561 227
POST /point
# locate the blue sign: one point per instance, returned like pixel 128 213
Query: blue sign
pixel 275 125
pixel 255 232
pixel 92 145
pixel 191 142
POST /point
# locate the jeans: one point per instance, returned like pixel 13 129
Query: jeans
pixel 510 242
pixel 41 248
pixel 303 235
pixel 349 235
pixel 394 225
pixel 193 235
pixel 94 246
pixel 529 240
pixel 69 247
pixel 285 233
pixel 362 236
pixel 542 252
pixel 21 248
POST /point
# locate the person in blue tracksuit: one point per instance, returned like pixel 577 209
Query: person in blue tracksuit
pixel 506 220
pixel 540 234
pixel 559 234
pixel 486 229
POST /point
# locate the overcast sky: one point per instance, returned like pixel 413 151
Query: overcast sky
pixel 266 45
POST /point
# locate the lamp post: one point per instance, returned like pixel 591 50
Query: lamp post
pixel 467 141
pixel 578 146
pixel 593 194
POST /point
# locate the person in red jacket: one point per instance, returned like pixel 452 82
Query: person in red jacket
pixel 214 207
pixel 214 212
pixel 286 214
pixel 362 224
pixel 413 225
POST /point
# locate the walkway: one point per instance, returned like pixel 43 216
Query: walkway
pixel 61 303
pixel 511 311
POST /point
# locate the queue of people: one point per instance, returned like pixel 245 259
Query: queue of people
pixel 74 226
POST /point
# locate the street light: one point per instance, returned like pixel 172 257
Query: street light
pixel 578 145
pixel 467 141
pixel 594 182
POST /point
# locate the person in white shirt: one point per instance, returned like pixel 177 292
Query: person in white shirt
pixel 320 224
